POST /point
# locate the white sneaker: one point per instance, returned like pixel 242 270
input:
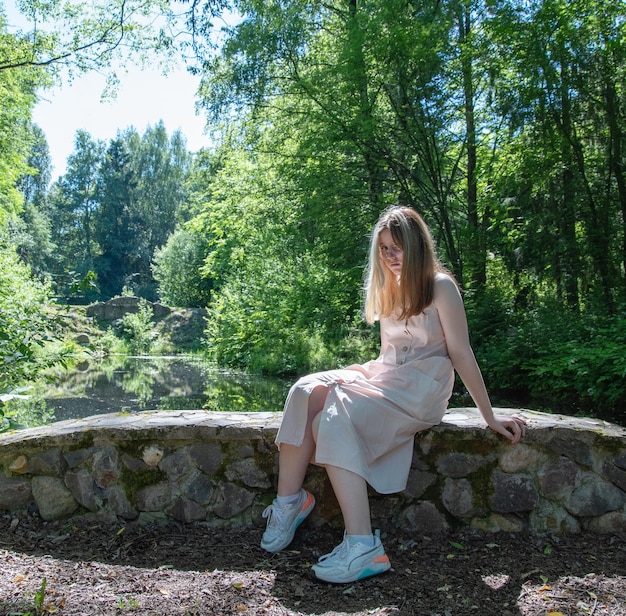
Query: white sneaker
pixel 282 522
pixel 349 562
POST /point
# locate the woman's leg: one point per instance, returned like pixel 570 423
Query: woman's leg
pixel 293 461
pixel 351 492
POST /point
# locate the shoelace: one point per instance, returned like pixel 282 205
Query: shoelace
pixel 275 515
pixel 340 552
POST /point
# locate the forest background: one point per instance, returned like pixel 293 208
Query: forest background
pixel 502 121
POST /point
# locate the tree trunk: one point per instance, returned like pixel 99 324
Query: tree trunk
pixel 476 253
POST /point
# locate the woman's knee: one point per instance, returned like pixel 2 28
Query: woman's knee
pixel 317 399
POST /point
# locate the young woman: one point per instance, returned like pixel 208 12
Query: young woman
pixel 359 422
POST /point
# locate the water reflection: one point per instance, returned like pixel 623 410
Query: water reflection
pixel 129 384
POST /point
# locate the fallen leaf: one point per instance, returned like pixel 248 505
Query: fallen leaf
pixel 19 578
pixel 242 608
pixel 555 614
pixel 165 591
pixel 456 545
pixel 237 585
pixel 545 587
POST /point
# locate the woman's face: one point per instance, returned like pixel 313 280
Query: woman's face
pixel 390 252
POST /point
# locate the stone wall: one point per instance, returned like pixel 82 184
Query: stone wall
pixel 568 474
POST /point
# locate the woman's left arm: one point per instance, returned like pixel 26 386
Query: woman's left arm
pixel 451 310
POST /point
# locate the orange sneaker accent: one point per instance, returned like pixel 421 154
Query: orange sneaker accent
pixel 308 501
pixel 382 559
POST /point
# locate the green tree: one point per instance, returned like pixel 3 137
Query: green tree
pixel 565 67
pixel 116 226
pixel 77 203
pixel 31 230
pixel 66 38
pixel 17 93
pixel 23 323
pixel 161 165
pixel 177 268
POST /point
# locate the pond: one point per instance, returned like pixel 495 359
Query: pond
pixel 131 384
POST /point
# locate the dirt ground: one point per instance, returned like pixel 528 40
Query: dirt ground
pixel 91 568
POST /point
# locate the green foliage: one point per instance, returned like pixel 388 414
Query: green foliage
pixel 24 325
pixel 114 208
pixel 566 363
pixel 138 331
pixel 502 122
pixel 17 93
pixel 39 606
pixel 79 37
pixel 177 266
pixel 584 372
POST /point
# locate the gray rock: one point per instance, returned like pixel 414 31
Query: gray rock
pixel 185 510
pixel 615 474
pixel 548 517
pixel 208 457
pixel 14 493
pixel 50 462
pixel 498 523
pixel 612 523
pixel 559 478
pixel 81 485
pixel 232 500
pixel 105 468
pixel 117 502
pixel 519 457
pixel 134 464
pixel 154 498
pixel 424 517
pixel 568 443
pixel 176 465
pixel 513 493
pixel 458 465
pixel 78 457
pixel 198 487
pixel 418 482
pixel 594 497
pixel 458 497
pixel 620 461
pixel 54 500
pixel 246 472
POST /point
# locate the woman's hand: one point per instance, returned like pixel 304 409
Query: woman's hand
pixel 513 428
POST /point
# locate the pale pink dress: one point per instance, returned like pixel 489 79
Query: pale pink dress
pixel 373 411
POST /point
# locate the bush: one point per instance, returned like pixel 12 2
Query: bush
pixel 176 267
pixel 274 316
pixel 137 329
pixel 560 361
pixel 24 325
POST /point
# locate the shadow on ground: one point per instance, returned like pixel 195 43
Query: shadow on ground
pixel 92 568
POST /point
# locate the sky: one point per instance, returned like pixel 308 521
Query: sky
pixel 144 98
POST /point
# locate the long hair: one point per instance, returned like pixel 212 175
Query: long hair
pixel 414 291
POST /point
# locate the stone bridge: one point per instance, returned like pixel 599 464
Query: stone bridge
pixel 567 476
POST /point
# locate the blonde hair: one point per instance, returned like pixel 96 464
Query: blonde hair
pixel 414 291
